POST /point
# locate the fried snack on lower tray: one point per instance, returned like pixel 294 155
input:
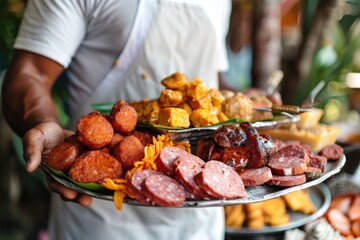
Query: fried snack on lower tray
pixel 273 212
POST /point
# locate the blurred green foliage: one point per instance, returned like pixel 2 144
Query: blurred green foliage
pixel 335 58
pixel 10 18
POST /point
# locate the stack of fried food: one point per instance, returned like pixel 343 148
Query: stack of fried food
pixel 182 103
pixel 187 103
pixel 273 212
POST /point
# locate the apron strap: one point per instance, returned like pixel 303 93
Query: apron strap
pixel 136 39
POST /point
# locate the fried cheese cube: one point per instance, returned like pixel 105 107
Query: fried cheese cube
pixel 197 89
pixel 203 103
pixel 186 107
pixel 170 98
pixel 151 111
pixel 174 117
pixel 216 97
pixel 200 118
pixel 175 81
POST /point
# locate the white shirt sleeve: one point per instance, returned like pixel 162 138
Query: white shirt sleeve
pixel 53 29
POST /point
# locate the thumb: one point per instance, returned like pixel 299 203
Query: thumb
pixel 33 142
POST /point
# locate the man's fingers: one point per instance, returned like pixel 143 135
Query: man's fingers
pixel 68 194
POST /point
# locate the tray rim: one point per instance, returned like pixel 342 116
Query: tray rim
pixel 210 203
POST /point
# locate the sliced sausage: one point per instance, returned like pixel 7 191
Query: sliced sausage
pixel 355 228
pixel 94 166
pixel 63 156
pixel 128 151
pixel 135 184
pixel 186 167
pixel 255 176
pixel 164 191
pixel 339 221
pixel 312 173
pixel 123 117
pixel 220 181
pixel 332 152
pixel 287 181
pixel 167 156
pixel 318 161
pixel 342 202
pixel 94 130
pixel 289 160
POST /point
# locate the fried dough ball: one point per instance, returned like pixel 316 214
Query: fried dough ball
pixel 94 166
pixel 94 130
pixel 238 106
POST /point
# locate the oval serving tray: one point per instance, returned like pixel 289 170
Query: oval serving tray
pixel 255 194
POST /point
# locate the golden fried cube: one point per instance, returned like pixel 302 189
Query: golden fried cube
pixel 197 89
pixel 174 117
pixel 170 98
pixel 151 110
pixel 203 103
pixel 200 118
pixel 175 81
pixel 216 97
pixel 186 107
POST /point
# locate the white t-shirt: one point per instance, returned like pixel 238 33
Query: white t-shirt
pixel 93 34
pixel 86 36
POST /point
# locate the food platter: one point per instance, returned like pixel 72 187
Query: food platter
pixel 255 194
pixel 179 134
pixel 321 197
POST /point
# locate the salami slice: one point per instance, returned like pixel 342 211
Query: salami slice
pixel 289 160
pixel 164 191
pixel 220 181
pixel 312 173
pixel 287 181
pixel 186 169
pixel 164 161
pixel 134 185
pixel 332 152
pixel 317 161
pixel 255 176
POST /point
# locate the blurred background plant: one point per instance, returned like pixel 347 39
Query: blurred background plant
pixel 10 17
pixel 336 57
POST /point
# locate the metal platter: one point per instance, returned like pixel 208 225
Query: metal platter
pixel 255 194
pixel 321 197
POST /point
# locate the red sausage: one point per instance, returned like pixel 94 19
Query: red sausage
pixel 255 176
pixel 220 181
pixel 288 161
pixel 167 156
pixel 135 187
pixel 186 168
pixel 332 152
pixel 287 181
pixel 164 191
